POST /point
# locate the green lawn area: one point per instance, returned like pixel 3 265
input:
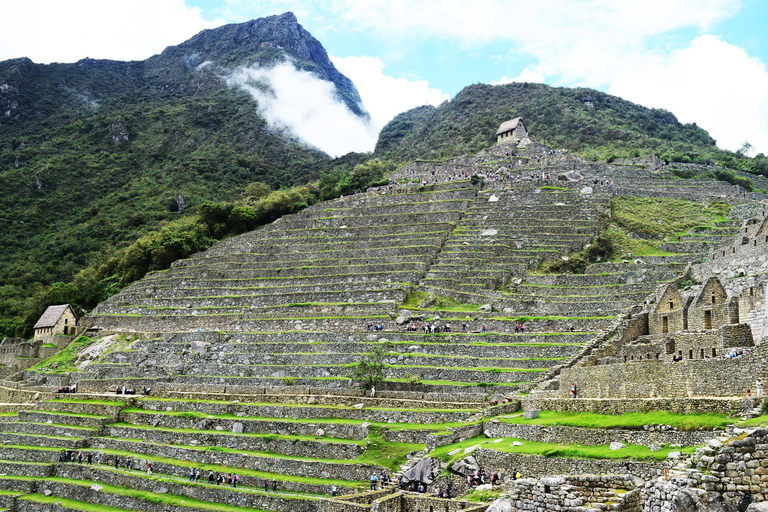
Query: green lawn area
pixel 626 421
pixel 654 219
pixel 570 451
pixel 760 421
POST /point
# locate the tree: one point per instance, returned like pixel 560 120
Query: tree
pixel 370 368
pixel 257 189
pixel 746 148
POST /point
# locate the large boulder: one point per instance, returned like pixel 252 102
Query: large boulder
pixel 466 466
pixel 571 176
pixel 501 505
pixel 426 470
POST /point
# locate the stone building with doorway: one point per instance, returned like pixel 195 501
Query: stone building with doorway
pixel 512 131
pixel 57 320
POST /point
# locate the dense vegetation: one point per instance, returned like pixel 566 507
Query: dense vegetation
pixel 596 124
pixel 99 154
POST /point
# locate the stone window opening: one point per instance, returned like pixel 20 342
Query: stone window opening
pixel 664 324
pixel 547 489
pixel 713 298
pixel 680 354
pixel 702 353
pixel 690 354
pixel 708 319
pixel 625 359
pixel 751 291
pixel 714 352
pixel 657 355
pixel 671 305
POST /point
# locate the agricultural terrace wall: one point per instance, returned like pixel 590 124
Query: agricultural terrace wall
pixel 684 379
pixel 594 436
pixel 729 406
pixel 536 466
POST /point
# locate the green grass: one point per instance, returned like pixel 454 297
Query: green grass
pixel 570 451
pixel 650 218
pixel 384 453
pixel 151 497
pixel 65 358
pixel 759 421
pixel 625 421
pixel 71 504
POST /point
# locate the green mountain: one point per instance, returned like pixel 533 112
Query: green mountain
pixel 97 153
pixel 584 120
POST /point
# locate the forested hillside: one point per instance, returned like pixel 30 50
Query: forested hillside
pixel 95 154
pixel 597 124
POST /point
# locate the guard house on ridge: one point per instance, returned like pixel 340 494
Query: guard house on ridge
pixel 59 319
pixel 512 131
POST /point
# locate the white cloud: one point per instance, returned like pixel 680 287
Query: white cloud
pixel 306 106
pixel 386 96
pixel 526 75
pixel 67 31
pixel 713 83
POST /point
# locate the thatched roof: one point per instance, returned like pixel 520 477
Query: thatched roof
pixel 52 315
pixel 508 126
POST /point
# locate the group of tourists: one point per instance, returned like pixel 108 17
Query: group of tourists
pixel 67 389
pixel 89 458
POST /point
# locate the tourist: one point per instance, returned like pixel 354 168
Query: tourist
pixel 448 490
pixel 210 477
pixel 90 459
pixel 574 390
pixel 274 485
pixel 117 462
pixel 191 474
pixel 437 492
pixel 149 468
pixel 759 388
pixel 482 328
pixel 373 391
pixel 197 475
pixel 421 489
pixel 494 478
pixel 98 459
pixel 266 485
pixel 79 457
pixel 333 491
pixel 235 479
pixel 374 481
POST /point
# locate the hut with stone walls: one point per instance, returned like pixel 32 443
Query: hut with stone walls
pixel 709 308
pixel 60 319
pixel 666 315
pixel 512 131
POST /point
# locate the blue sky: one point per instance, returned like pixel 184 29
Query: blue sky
pixel 704 60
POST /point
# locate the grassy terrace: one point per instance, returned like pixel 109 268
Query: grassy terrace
pixel 151 497
pixel 504 445
pixel 266 437
pixel 313 406
pixel 336 421
pixel 626 421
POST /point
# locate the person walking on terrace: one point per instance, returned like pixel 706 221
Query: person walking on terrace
pixel 374 481
pixel 574 390
pixel 333 491
pixel 759 388
pixel 266 485
pixel 79 457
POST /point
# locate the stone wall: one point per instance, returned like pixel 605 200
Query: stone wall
pixel 535 466
pixel 594 437
pixel 729 406
pixel 688 378
pixel 620 492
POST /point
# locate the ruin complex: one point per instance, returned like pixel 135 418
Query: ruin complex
pixel 235 366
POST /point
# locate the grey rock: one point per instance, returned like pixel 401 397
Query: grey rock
pixel 616 446
pixel 237 428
